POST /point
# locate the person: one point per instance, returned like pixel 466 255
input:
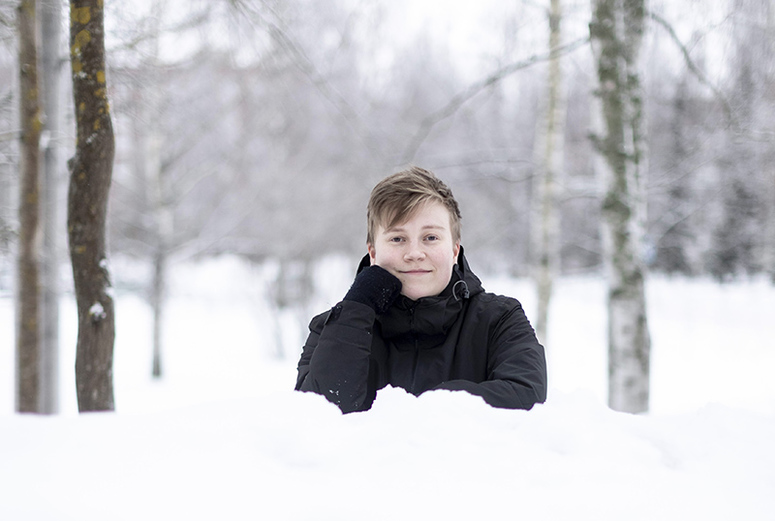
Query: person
pixel 417 317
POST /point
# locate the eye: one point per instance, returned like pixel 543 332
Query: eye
pixel 432 238
pixel 396 239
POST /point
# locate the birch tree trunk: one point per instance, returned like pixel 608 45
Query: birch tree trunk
pixel 616 30
pixel 28 272
pixel 769 241
pixel 158 186
pixel 550 145
pixel 50 18
pixel 90 176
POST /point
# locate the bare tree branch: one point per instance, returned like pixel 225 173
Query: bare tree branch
pixel 300 58
pixel 461 98
pixel 306 66
pixel 192 21
pixel 694 68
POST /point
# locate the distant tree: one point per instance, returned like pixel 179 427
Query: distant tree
pixel 743 237
pixel 28 270
pixel 549 161
pixel 736 237
pixel 675 201
pixel 157 182
pixel 51 67
pixel 616 29
pixel 9 125
pixel 768 162
pixel 90 177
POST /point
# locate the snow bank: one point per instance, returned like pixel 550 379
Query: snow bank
pixel 443 456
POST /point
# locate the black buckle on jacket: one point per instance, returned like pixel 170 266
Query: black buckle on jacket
pixel 460 290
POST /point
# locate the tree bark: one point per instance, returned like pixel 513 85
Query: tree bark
pixel 162 216
pixel 158 297
pixel 546 225
pixel 616 31
pixel 28 273
pixel 50 17
pixel 158 188
pixel 90 177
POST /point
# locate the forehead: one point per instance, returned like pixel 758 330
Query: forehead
pixel 432 214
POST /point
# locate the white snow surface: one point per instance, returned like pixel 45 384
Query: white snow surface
pixel 224 436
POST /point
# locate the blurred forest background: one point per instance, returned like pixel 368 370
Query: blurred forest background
pixel 258 128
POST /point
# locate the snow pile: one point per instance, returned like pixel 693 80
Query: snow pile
pixel 223 436
pixel 443 456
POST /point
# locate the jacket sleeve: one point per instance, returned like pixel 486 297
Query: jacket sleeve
pixel 336 360
pixel 516 365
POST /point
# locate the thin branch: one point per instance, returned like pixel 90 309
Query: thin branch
pixel 300 58
pixel 305 65
pixel 467 163
pixel 460 99
pixel 695 69
pixel 682 216
pixel 10 135
pixel 197 19
pixel 6 21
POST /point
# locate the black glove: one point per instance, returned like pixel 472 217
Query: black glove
pixel 375 287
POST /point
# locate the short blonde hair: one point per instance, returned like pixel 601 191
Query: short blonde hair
pixel 398 196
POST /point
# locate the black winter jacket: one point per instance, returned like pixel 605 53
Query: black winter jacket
pixel 463 339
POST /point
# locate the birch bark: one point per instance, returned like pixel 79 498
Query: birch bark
pixel 616 32
pixel 550 145
pixel 51 62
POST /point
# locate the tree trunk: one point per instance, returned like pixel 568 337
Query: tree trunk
pixel 616 30
pixel 546 226
pixel 50 17
pixel 769 241
pixel 157 304
pixel 90 176
pixel 162 216
pixel 158 187
pixel 28 303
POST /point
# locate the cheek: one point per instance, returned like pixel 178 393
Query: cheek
pixel 445 259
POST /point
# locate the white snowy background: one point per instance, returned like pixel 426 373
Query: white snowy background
pixel 224 436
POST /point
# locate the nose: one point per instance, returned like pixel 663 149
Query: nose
pixel 414 253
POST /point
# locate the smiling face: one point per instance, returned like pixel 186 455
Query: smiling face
pixel 419 251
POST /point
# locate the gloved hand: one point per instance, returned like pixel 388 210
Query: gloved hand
pixel 375 287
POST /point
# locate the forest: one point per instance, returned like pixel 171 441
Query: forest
pixel 257 128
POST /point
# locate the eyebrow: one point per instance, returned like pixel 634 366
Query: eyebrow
pixel 426 227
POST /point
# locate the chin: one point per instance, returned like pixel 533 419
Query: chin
pixel 418 294
pixel 412 294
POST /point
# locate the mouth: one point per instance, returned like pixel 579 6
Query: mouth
pixel 415 272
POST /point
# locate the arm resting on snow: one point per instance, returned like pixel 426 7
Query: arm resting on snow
pixel 336 357
pixel 516 366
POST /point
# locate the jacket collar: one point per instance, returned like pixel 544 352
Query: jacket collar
pixel 425 322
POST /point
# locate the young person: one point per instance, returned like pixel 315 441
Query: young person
pixel 417 317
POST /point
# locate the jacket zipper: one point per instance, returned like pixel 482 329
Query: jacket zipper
pixel 416 353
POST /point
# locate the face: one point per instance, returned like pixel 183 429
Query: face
pixel 420 251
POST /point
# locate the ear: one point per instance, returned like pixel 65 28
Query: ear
pixel 456 250
pixel 372 253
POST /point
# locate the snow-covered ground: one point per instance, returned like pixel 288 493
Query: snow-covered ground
pixel 223 436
